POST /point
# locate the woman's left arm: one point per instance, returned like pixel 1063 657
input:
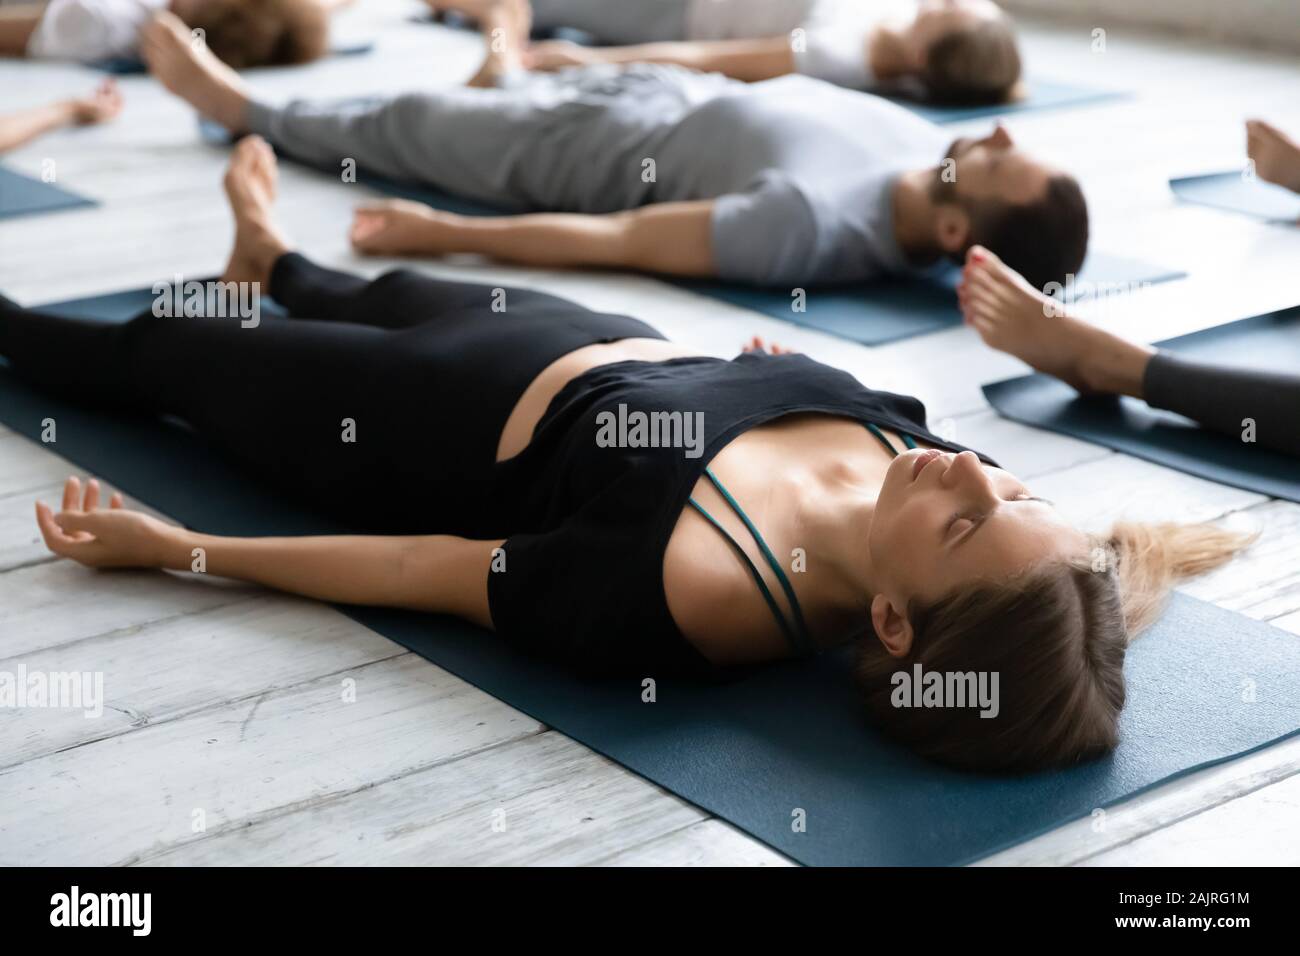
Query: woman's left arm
pixel 438 573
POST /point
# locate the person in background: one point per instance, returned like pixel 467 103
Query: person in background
pixel 242 33
pixel 958 52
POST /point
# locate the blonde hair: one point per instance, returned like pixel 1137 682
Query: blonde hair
pixel 1056 637
pixel 1152 558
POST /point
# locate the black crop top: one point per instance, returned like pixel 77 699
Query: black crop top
pixel 584 582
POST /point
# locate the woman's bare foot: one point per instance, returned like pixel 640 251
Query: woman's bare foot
pixel 1012 316
pixel 250 185
pixel 190 70
pixel 1276 156
pixel 507 26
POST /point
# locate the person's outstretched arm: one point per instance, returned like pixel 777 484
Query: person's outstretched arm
pixel 437 573
pixel 669 238
pixel 749 60
pixel 26 125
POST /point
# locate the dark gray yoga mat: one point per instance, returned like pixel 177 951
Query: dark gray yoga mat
pixel 1126 424
pixel 870 314
pixel 27 196
pixel 891 310
pixel 776 743
pixel 1234 192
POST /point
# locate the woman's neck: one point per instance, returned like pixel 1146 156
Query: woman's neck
pixel 834 516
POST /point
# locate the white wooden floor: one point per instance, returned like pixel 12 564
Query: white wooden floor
pixel 226 700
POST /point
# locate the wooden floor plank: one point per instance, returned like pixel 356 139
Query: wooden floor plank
pixel 223 767
pixel 540 800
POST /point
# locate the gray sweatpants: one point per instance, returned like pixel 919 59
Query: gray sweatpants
pixel 571 141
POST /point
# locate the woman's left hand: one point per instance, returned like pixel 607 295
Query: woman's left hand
pixel 111 538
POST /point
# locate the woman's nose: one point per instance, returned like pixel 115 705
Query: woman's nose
pixel 967 474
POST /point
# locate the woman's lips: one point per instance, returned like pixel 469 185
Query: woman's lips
pixel 923 459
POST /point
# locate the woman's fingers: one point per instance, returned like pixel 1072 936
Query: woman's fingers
pixel 116 501
pixel 72 493
pixel 91 500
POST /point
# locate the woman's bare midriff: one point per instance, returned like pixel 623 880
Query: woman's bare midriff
pixel 532 405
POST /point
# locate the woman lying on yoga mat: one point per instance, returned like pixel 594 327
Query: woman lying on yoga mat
pixel 1014 317
pixel 954 51
pixel 597 494
pixel 26 125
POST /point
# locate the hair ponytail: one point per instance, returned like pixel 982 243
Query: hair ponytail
pixel 1152 558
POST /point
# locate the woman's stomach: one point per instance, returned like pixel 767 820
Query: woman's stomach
pixel 535 400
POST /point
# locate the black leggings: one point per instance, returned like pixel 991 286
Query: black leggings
pixel 1220 397
pixel 426 369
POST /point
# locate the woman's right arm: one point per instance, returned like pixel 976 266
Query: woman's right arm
pixel 437 573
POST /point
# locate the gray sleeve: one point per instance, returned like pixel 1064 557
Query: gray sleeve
pixel 768 235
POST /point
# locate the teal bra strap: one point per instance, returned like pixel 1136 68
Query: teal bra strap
pixel 800 626
pixel 907 439
pixel 754 572
pixel 796 632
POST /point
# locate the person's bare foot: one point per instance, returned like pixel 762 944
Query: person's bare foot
pixel 250 185
pixel 1012 316
pixel 186 67
pixel 507 26
pixel 1276 156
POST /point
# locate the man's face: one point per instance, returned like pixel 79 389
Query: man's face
pixel 991 170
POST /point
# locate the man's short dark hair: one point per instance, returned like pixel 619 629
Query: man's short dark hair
pixel 1043 240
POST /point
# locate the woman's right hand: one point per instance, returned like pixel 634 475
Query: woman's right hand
pixel 102 538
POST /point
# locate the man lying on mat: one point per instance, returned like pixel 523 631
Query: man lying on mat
pixel 790 182
pixel 948 51
pixel 789 508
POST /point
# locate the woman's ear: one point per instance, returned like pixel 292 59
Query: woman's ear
pixel 893 629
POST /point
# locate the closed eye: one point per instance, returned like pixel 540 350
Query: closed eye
pixel 960 526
